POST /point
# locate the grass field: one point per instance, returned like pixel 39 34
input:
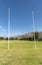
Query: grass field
pixel 20 53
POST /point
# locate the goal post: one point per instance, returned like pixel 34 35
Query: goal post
pixel 8 27
pixel 33 28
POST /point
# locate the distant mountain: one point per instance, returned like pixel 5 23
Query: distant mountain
pixel 40 34
pixel 29 35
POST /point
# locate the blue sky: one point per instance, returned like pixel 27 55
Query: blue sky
pixel 20 16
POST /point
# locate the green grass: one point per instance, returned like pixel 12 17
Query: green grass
pixel 20 53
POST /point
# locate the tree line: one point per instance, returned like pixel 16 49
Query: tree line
pixel 24 38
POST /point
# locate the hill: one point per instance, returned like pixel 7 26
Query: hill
pixel 29 35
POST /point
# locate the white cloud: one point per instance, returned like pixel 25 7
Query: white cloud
pixel 14 34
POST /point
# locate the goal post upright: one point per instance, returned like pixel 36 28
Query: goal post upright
pixel 33 28
pixel 8 27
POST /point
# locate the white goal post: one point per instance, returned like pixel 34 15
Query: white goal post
pixel 8 27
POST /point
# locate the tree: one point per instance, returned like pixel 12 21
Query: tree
pixel 36 35
pixel 1 38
